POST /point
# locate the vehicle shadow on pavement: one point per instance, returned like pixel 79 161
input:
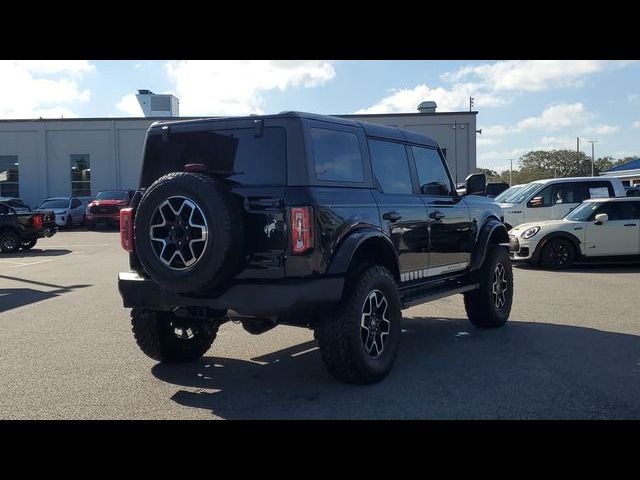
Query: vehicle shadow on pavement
pixel 36 252
pixel 17 297
pixel 627 267
pixel 446 369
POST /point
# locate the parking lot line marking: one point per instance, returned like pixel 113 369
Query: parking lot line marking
pixel 14 263
pixel 30 263
pixel 79 245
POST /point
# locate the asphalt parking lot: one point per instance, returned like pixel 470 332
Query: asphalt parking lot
pixel 570 351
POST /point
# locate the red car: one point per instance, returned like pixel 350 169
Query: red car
pixel 106 207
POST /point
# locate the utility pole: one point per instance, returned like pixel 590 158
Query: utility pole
pixel 470 104
pixel 593 157
pixel 510 171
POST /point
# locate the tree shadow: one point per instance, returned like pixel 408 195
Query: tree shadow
pixel 35 253
pixel 446 369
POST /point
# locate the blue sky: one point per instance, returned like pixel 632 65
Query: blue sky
pixel 522 105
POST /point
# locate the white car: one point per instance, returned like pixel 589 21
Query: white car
pixel 69 210
pixel 553 198
pixel 600 229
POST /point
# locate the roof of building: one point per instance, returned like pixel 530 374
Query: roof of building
pixel 632 165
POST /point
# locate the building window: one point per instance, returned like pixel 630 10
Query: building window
pixel 9 176
pixel 80 176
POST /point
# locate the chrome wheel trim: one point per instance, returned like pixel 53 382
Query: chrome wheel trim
pixel 500 286
pixel 375 325
pixel 177 226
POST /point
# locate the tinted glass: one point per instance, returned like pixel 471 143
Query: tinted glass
pixel 504 196
pixel 432 175
pixel 336 156
pixel 523 194
pixel 620 210
pixel 9 176
pixel 239 154
pixel 390 166
pixel 75 203
pixel 80 175
pixel 57 204
pixel 112 195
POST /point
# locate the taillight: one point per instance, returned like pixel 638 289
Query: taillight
pixel 126 229
pixel 301 229
pixel 37 221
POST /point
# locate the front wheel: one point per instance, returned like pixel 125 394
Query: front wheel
pixel 557 254
pixel 489 306
pixel 359 341
pixel 165 337
pixel 9 242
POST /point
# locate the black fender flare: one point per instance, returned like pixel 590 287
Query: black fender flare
pixel 339 264
pixel 575 241
pixel 491 227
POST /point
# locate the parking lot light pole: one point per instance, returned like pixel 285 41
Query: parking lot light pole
pixel 593 157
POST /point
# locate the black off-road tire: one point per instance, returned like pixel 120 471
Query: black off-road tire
pixel 480 304
pixel 28 244
pixel 557 254
pixel 154 332
pixel 340 335
pixel 9 242
pixel 224 247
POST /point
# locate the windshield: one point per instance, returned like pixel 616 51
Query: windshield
pixel 55 204
pixel 522 194
pixel 112 195
pixel 583 212
pixel 507 193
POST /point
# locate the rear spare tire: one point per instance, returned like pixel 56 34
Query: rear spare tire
pixel 189 232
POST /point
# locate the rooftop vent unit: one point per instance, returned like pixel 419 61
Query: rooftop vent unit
pixel 153 105
pixel 427 107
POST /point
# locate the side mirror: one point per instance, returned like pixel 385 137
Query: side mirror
pixel 535 202
pixel 475 184
pixel 601 218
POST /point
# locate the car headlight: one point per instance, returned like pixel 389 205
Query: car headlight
pixel 530 232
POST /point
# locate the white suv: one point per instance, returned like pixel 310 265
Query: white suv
pixel 604 229
pixel 553 198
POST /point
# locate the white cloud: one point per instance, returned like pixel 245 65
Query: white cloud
pixel 407 100
pixel 486 141
pixel 41 88
pixel 232 87
pixel 496 157
pixel 560 115
pixel 556 143
pixel 601 129
pixel 636 124
pixel 130 106
pixel 531 75
pixel 634 98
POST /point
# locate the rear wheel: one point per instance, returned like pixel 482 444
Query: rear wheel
pixel 165 337
pixel 557 254
pixel 490 305
pixel 28 244
pixel 9 242
pixel 359 341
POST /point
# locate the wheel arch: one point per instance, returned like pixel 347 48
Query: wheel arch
pixel 365 244
pixel 493 232
pixel 575 241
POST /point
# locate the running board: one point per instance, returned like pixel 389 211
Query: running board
pixel 435 294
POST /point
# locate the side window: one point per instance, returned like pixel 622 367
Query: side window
pixel 598 190
pixel 3 209
pixel 619 210
pixel 336 156
pixel 432 174
pixel 568 193
pixel 543 198
pixel 390 166
pixel 75 203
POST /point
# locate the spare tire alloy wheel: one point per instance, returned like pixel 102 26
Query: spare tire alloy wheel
pixel 9 242
pixel 375 323
pixel 178 232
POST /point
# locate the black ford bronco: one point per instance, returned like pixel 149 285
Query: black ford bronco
pixel 20 228
pixel 307 220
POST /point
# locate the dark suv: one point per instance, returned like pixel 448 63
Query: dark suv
pixel 307 220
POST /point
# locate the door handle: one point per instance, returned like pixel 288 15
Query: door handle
pixel 436 215
pixel 392 216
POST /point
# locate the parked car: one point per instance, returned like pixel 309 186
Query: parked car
pixel 17 203
pixel 504 196
pixel 69 210
pixel 552 199
pixel 22 229
pixel 307 220
pixel 105 209
pixel 603 228
pixel 633 191
pixel 495 188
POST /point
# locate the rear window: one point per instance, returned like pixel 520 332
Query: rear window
pixel 239 154
pixel 336 156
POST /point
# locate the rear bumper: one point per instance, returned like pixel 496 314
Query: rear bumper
pixel 286 298
pixel 47 232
